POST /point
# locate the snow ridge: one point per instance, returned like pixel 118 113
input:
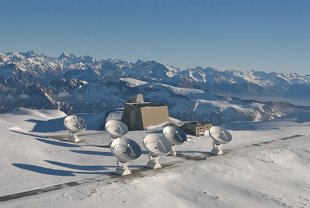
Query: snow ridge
pixel 74 83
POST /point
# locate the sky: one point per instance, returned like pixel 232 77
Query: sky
pixel 265 35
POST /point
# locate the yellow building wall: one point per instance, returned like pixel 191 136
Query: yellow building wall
pixel 154 115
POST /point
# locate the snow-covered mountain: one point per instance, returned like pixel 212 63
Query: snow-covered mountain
pixel 83 84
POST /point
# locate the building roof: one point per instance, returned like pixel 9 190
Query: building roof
pixel 146 104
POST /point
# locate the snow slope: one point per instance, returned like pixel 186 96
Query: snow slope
pixel 265 165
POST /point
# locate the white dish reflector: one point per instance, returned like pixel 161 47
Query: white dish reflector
pixel 156 144
pixel 125 150
pixel 75 123
pixel 174 134
pixel 220 136
pixel 116 128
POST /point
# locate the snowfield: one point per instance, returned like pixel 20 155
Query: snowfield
pixel 267 164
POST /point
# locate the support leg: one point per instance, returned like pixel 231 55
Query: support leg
pixel 173 151
pixel 122 168
pixel 73 138
pixel 216 149
pixel 153 162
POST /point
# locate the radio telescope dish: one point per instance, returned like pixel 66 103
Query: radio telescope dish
pixel 74 124
pixel 157 145
pixel 220 136
pixel 175 135
pixel 124 150
pixel 116 128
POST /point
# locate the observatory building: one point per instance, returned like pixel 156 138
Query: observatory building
pixel 138 115
pixel 196 128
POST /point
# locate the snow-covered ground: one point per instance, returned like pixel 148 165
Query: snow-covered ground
pixel 267 164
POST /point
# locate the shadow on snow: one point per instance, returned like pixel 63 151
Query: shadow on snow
pixel 57 143
pixel 58 172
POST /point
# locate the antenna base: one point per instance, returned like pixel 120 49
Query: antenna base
pixel 153 162
pixel 173 151
pixel 111 140
pixel 122 169
pixel 216 149
pixel 73 138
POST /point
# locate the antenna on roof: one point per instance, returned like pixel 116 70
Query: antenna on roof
pixel 125 150
pixel 220 136
pixel 157 145
pixel 175 136
pixel 74 124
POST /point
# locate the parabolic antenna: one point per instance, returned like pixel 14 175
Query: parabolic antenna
pixel 74 124
pixel 125 150
pixel 220 136
pixel 175 135
pixel 116 128
pixel 157 145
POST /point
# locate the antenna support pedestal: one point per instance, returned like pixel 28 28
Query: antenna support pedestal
pixel 73 137
pixel 122 168
pixel 153 162
pixel 216 149
pixel 111 140
pixel 173 151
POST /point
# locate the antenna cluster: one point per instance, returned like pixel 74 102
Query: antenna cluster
pixel 157 144
pixel 122 148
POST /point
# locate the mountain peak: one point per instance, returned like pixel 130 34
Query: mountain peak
pixel 29 54
pixel 66 55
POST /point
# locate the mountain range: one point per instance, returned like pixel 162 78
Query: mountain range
pixel 84 84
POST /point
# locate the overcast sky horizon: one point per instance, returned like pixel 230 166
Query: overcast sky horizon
pixel 265 35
